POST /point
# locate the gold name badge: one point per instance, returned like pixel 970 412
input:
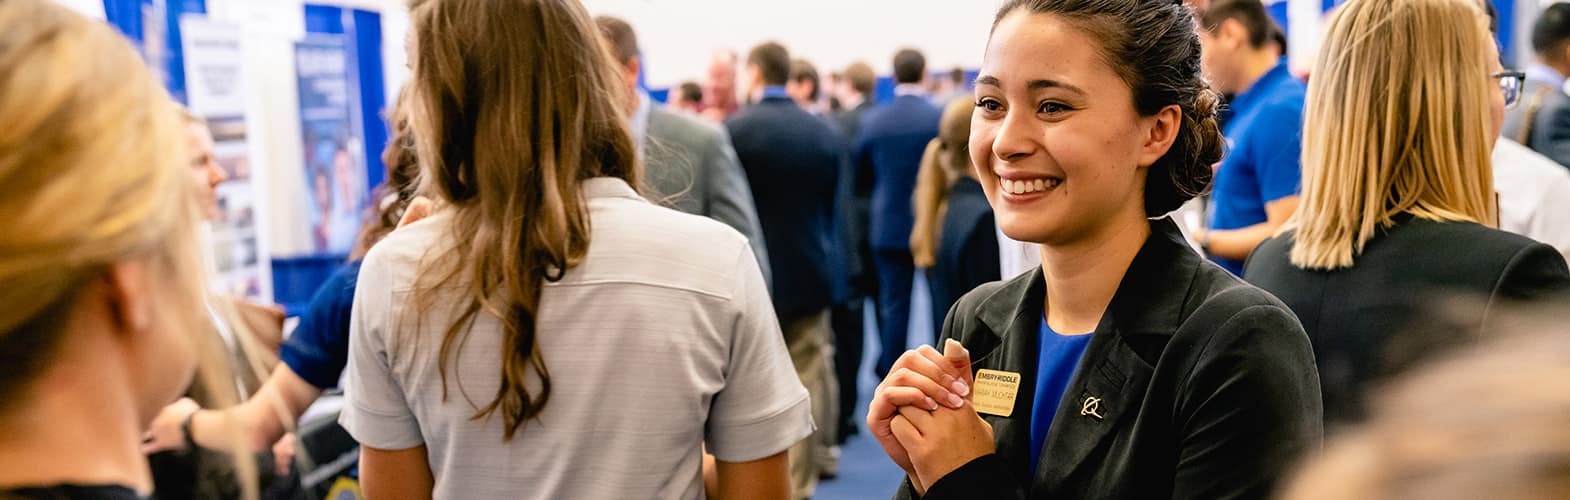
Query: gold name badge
pixel 994 392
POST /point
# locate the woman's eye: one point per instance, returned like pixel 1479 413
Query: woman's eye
pixel 1052 108
pixel 989 105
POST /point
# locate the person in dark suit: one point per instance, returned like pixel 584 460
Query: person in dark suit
pixel 1127 366
pixel 954 237
pixel 806 88
pixel 858 101
pixel 1362 263
pixel 687 164
pixel 888 153
pixel 1543 121
pixel 847 316
pixel 793 161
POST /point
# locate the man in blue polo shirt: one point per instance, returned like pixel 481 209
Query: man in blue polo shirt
pixel 1257 183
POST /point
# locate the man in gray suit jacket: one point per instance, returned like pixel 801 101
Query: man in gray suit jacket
pixel 1542 121
pixel 689 164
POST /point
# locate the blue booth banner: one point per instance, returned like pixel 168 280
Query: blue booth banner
pixel 334 172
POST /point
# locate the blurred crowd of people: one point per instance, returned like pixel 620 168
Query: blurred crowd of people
pixel 566 289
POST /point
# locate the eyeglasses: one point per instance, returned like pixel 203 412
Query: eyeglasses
pixel 1510 83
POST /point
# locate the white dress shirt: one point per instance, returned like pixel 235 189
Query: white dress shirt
pixel 1534 195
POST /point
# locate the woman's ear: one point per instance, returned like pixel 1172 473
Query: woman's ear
pixel 1161 130
pixel 126 293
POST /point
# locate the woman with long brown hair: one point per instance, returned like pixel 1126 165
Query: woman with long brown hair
pixel 954 236
pixel 103 308
pixel 547 332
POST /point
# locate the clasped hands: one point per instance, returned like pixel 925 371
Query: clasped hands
pixel 922 415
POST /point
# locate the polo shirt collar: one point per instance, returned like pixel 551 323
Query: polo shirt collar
pixel 608 187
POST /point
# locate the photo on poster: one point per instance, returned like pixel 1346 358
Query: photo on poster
pixel 334 172
pixel 234 233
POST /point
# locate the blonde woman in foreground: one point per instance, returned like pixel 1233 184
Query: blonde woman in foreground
pixel 101 298
pixel 1508 441
pixel 1398 203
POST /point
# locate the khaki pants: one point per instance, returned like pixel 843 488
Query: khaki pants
pixel 807 339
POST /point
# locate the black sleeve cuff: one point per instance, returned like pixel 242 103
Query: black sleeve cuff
pixel 984 477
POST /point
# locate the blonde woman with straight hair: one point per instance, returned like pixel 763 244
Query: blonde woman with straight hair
pixel 1398 204
pixel 547 332
pixel 102 320
pixel 954 236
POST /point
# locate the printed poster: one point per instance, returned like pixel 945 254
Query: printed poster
pixel 334 162
pixel 239 264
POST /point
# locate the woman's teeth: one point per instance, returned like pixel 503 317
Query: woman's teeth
pixel 1023 186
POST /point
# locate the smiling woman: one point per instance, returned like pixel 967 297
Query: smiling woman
pixel 1140 369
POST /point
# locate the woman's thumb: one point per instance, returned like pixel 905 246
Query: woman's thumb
pixel 959 358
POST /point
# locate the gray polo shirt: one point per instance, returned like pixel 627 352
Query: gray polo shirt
pixel 662 339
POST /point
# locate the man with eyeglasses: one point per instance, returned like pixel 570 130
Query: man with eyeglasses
pixel 1533 190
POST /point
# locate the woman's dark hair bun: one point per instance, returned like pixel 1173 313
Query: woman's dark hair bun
pixel 1154 47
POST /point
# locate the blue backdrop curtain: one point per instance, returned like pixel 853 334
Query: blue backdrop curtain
pixel 295 279
pixel 364 31
pixel 128 16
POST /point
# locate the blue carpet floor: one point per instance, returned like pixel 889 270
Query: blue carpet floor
pixel 865 472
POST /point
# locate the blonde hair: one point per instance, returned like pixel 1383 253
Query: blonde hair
pixel 92 173
pixel 1396 122
pixel 1485 423
pixel 91 165
pixel 518 102
pixel 946 160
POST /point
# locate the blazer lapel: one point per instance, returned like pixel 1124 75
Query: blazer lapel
pixel 1113 377
pixel 1114 373
pixel 1012 317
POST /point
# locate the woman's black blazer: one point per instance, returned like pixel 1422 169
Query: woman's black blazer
pixel 1390 311
pixel 1196 385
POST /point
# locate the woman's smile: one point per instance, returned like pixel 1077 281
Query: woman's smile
pixel 1021 188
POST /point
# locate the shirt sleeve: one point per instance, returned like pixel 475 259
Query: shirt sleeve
pixel 319 347
pixel 763 408
pixel 1279 154
pixel 377 415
